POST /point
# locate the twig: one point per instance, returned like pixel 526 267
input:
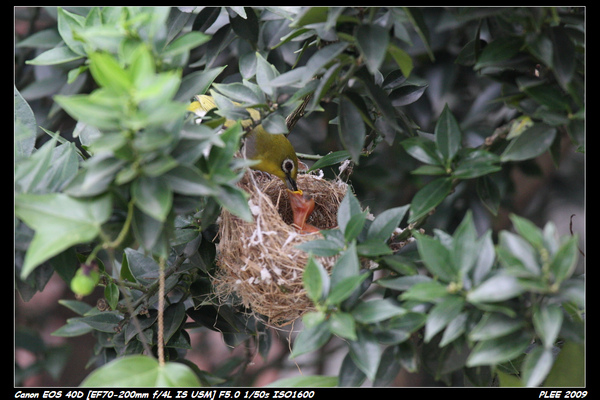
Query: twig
pixel 298 113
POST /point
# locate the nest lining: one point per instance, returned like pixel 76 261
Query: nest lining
pixel 259 264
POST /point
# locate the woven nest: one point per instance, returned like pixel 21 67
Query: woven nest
pixel 259 264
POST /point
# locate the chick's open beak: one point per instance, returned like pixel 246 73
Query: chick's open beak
pixel 302 207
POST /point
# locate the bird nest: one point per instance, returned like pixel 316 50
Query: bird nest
pixel 260 266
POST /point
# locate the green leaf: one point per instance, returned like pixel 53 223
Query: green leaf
pixel 104 322
pixel 184 43
pixel 30 173
pixel 57 55
pixel 310 15
pixel 477 163
pixel 344 289
pixel 495 289
pixel 402 58
pixel 111 293
pixel 429 291
pixel 488 193
pixel 518 255
pixel 494 325
pixel 153 196
pixel 73 328
pixel 44 39
pixel 96 109
pixel 68 26
pixel 235 200
pixel 348 208
pixel 148 231
pixel 373 248
pixel 454 329
pixel 422 149
pixel 59 222
pixel 429 197
pixel 197 83
pixel 354 226
pixel 529 144
pixel 240 93
pixel 407 94
pixel 536 366
pixel 245 24
pixel 349 374
pixel 321 247
pixel 546 95
pixel 315 280
pixel 141 267
pixel 220 157
pixel 528 230
pixel 320 87
pixel 265 73
pixel 372 41
pixel 547 321
pixel 173 318
pixel 306 381
pixel 485 260
pixel 495 351
pixel 416 18
pixel 343 325
pixel 95 178
pixel 448 135
pixel 365 353
pixel 108 73
pixel 330 159
pixel 380 99
pixel 499 50
pixel 564 260
pixel 346 266
pixel 372 311
pixel 311 339
pixel 275 124
pixel 351 128
pixel 563 56
pixel 441 314
pixel 24 127
pixel 399 330
pixel 436 258
pixel 385 223
pixel 465 245
pixel 188 180
pixel 141 371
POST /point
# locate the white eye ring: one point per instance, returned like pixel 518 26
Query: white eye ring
pixel 287 166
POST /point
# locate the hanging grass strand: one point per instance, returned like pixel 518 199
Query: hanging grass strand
pixel 161 312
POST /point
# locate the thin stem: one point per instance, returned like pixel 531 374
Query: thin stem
pixel 305 156
pixel 119 239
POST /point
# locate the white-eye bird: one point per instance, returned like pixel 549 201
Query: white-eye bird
pixel 275 155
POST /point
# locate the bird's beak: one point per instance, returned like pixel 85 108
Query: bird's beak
pixel 291 183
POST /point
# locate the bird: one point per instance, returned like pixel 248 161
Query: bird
pixel 274 154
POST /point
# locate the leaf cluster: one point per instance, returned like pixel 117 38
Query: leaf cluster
pixel 460 303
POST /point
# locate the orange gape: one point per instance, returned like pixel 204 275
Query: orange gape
pixel 302 207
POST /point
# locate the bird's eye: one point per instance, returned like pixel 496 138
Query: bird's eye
pixel 287 166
